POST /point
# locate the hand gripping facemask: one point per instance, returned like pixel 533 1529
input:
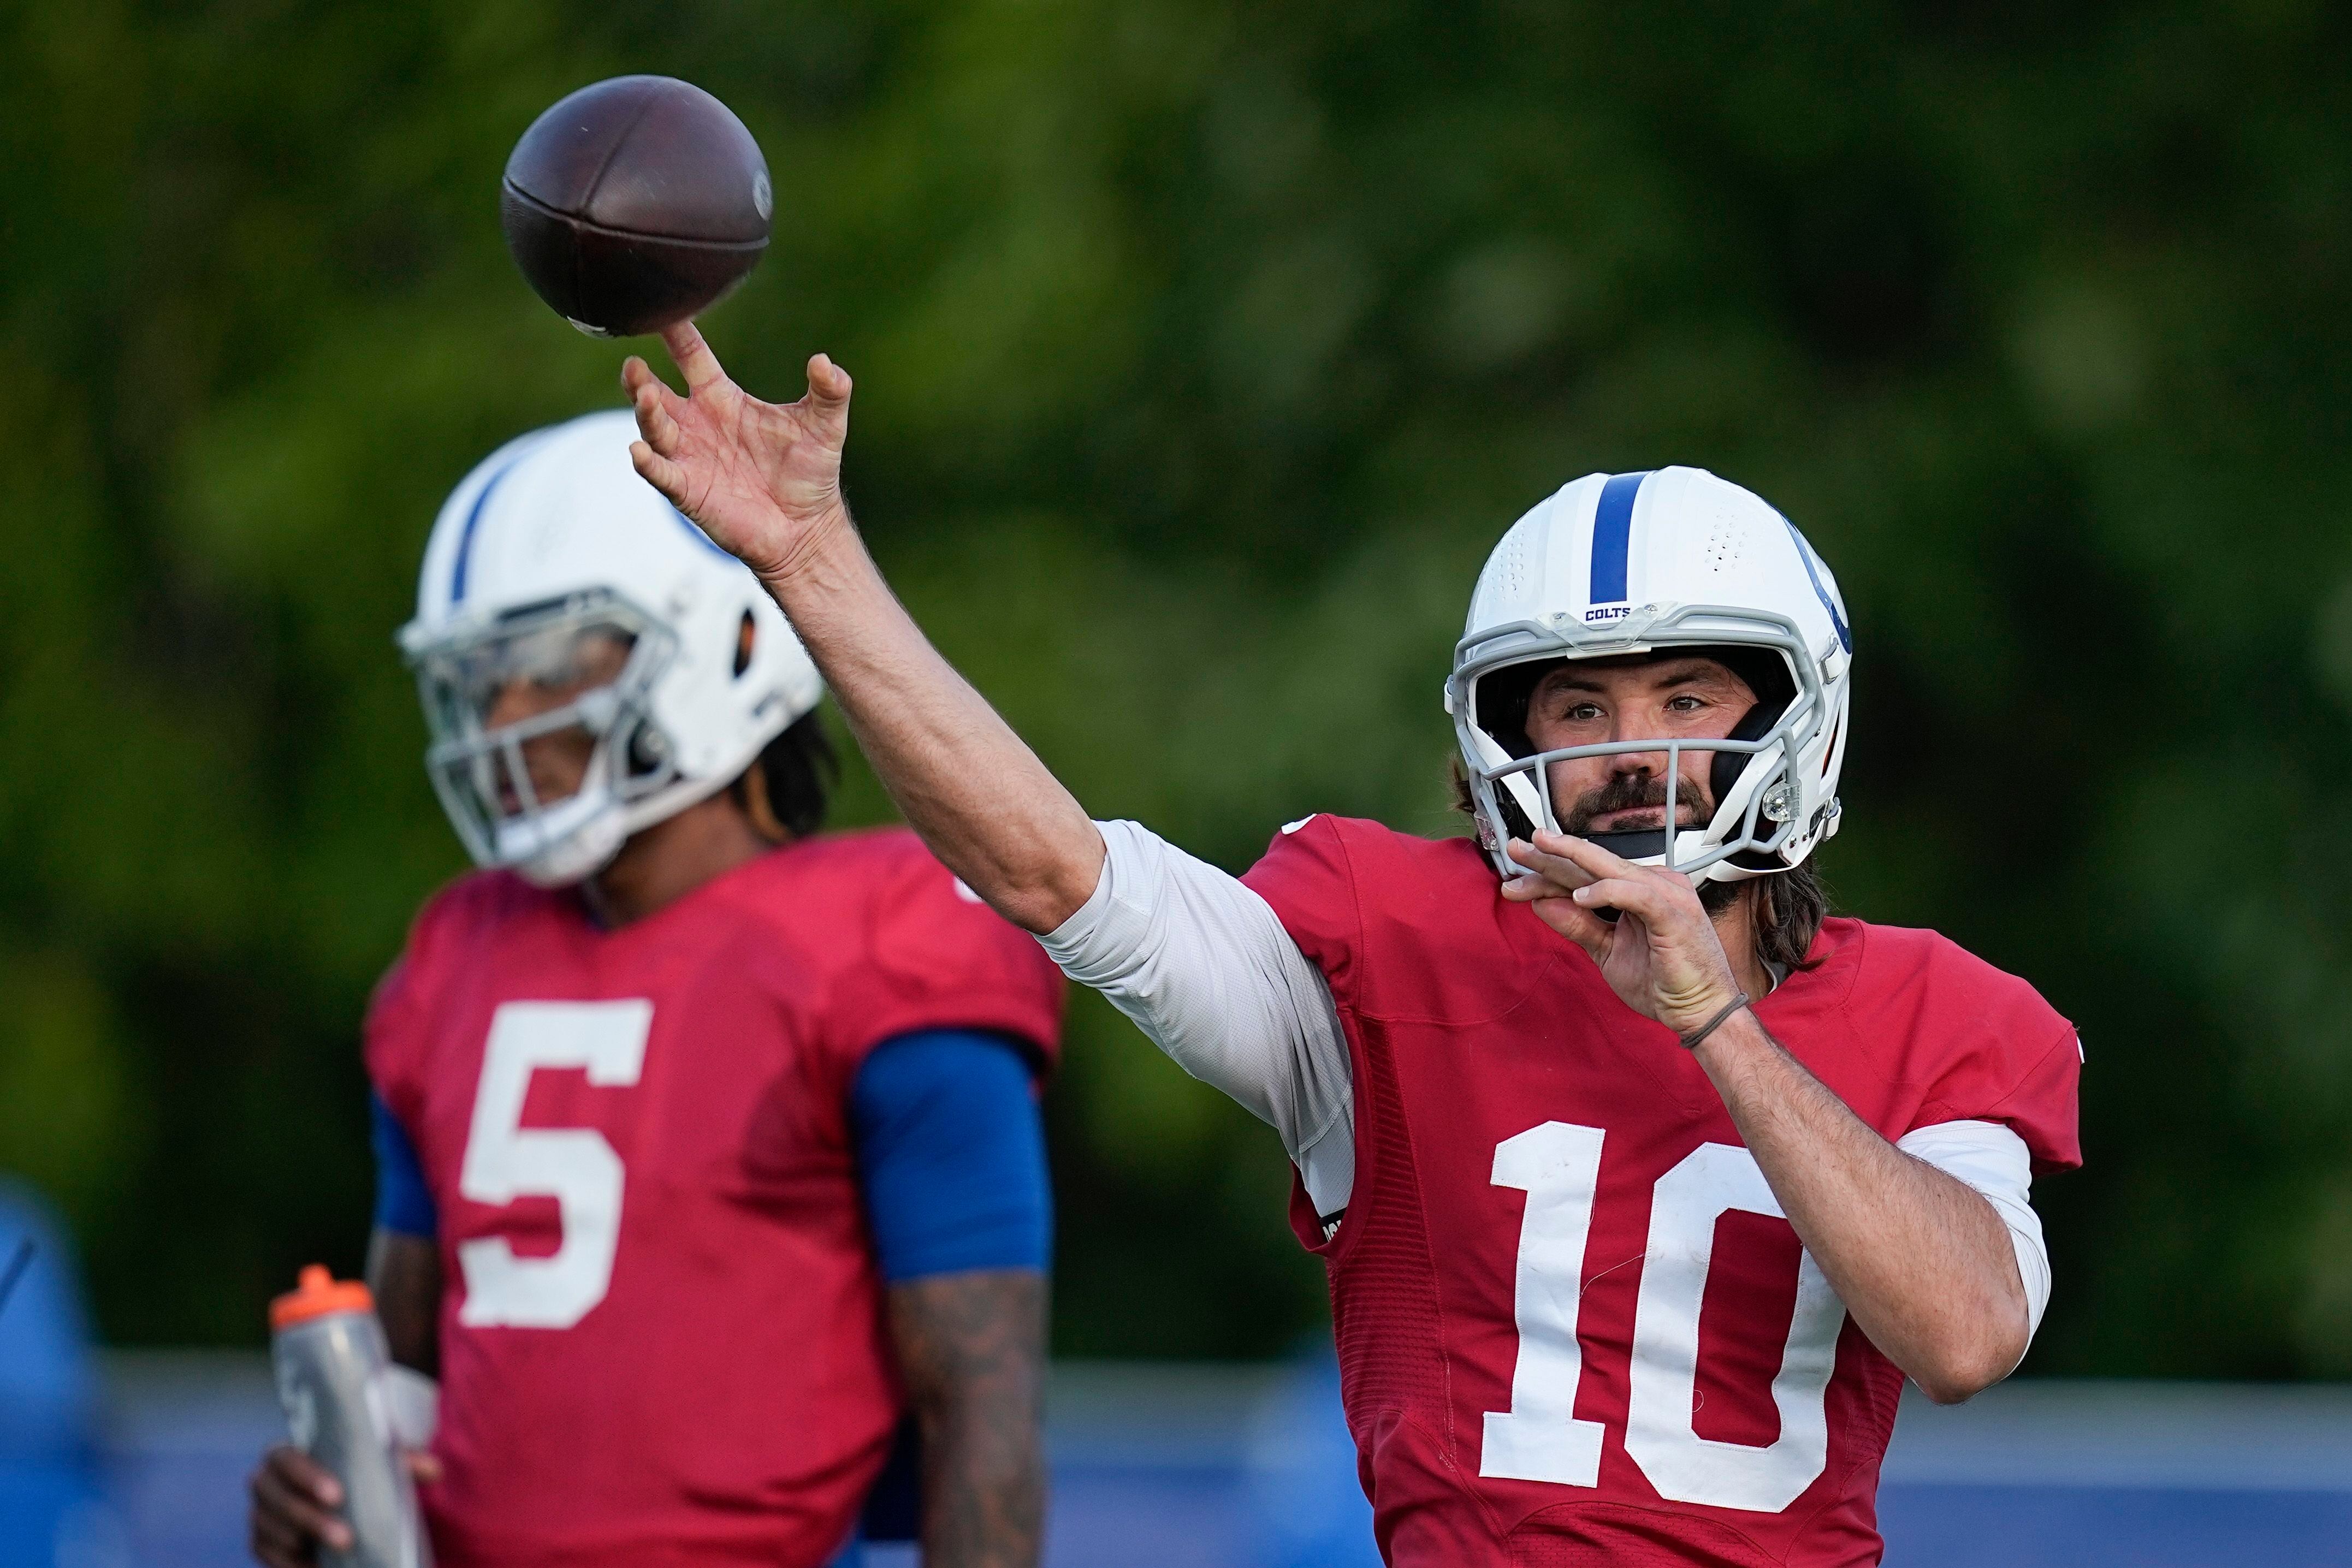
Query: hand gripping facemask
pixel 1659 563
pixel 553 569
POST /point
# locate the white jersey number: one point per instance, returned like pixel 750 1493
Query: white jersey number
pixel 1538 1438
pixel 574 1165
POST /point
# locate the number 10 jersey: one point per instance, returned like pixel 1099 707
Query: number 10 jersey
pixel 1573 1326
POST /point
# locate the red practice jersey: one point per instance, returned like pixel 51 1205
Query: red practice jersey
pixel 661 1329
pixel 1573 1327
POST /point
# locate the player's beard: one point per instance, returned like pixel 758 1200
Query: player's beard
pixel 1638 791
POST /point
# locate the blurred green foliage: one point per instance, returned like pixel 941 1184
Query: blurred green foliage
pixel 1203 350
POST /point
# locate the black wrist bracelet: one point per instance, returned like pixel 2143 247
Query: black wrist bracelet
pixel 1690 1041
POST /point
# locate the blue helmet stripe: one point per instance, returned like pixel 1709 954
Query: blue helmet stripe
pixel 1805 554
pixel 1612 537
pixel 466 535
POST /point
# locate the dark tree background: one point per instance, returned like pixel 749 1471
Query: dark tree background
pixel 1203 350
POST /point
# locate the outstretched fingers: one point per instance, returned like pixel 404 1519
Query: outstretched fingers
pixel 660 472
pixel 693 356
pixel 651 401
pixel 637 374
pixel 829 384
pixel 825 411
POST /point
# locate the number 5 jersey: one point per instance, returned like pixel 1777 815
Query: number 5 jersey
pixel 661 1329
pixel 1573 1325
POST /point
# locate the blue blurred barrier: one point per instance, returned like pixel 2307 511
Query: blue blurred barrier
pixel 1169 1466
pixel 2115 1527
pixel 2040 1475
pixel 1306 1502
pixel 1225 1467
pixel 53 1509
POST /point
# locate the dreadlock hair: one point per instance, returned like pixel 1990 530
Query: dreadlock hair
pixel 797 771
pixel 1789 904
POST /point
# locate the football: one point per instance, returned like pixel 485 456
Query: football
pixel 634 203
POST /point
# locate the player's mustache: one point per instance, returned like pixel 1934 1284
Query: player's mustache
pixel 1637 791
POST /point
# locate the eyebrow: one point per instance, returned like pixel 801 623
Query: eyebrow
pixel 1688 673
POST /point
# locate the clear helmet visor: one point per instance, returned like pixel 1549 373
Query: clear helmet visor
pixel 539 730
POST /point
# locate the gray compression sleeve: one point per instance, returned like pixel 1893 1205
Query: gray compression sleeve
pixel 1206 970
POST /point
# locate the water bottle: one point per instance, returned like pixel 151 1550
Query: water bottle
pixel 333 1372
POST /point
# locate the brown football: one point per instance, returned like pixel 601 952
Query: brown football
pixel 634 203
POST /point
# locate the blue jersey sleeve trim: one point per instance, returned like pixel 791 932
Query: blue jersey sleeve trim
pixel 951 1156
pixel 403 1202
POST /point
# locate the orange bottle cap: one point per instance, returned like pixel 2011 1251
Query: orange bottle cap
pixel 317 1293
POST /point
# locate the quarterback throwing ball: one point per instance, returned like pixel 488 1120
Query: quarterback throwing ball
pixel 708 1153
pixel 1642 1184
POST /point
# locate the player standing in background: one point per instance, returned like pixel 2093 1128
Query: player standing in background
pixel 708 1146
pixel 1641 1186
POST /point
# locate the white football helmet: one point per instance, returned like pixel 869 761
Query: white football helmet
pixel 1652 563
pixel 550 557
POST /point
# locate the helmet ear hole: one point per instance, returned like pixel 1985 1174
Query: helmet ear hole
pixel 747 632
